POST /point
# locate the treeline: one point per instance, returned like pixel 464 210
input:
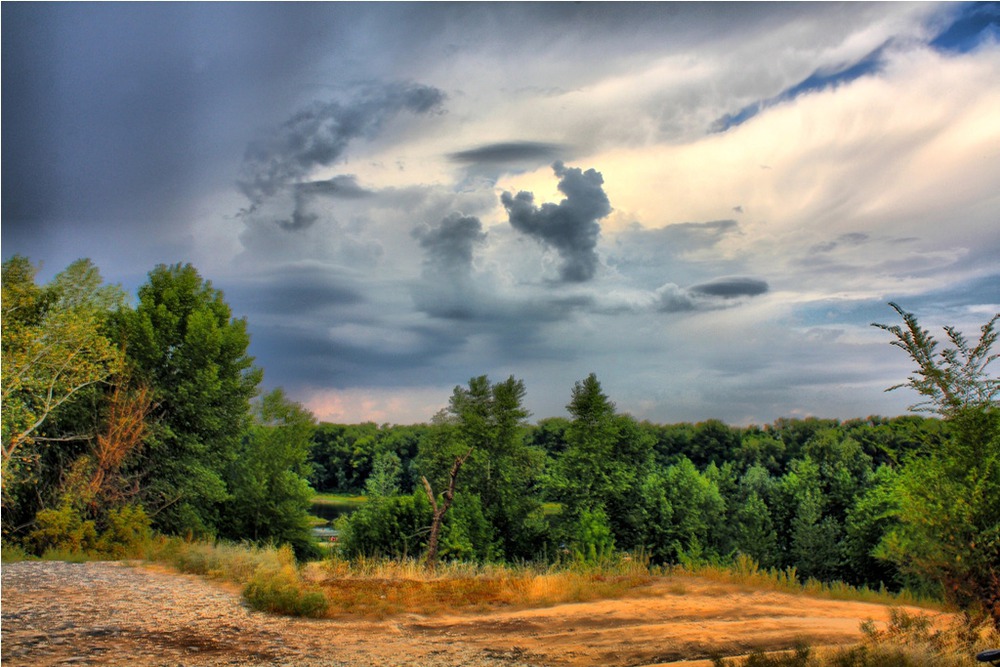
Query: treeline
pixel 910 501
pixel 123 419
pixel 810 494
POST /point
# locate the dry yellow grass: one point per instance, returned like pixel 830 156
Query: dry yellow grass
pixel 380 588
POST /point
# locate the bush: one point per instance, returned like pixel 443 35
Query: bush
pixel 280 590
pixel 394 527
pixel 65 534
pixel 64 530
pixel 127 532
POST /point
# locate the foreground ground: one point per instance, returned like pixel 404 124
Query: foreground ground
pixel 114 614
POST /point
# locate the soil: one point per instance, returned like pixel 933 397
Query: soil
pixel 117 614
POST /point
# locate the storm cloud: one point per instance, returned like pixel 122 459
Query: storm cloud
pixel 316 137
pixel 377 263
pixel 450 245
pixel 339 187
pixel 569 227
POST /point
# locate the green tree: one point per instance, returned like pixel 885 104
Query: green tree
pixel 55 346
pixel 606 456
pixel 58 367
pixel 815 540
pixel 184 343
pixel 396 527
pixel 269 495
pixel 754 533
pixel 712 442
pixel 949 496
pixel 386 472
pixel 873 515
pixel 486 420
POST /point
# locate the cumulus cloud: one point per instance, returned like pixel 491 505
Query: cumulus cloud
pixel 570 227
pixel 447 290
pixel 450 245
pixel 316 137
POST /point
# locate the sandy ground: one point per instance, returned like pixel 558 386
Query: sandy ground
pixel 114 614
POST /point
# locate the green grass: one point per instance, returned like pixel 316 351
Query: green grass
pixel 338 499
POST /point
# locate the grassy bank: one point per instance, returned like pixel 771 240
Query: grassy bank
pixel 337 499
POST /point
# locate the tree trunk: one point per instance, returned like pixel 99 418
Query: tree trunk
pixel 430 557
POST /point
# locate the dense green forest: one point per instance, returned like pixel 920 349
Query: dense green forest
pixel 120 420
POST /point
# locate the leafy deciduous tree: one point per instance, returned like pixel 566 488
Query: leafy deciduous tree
pixel 949 496
pixel 184 343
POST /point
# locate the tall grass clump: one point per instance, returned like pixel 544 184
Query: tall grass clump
pixel 381 587
pixel 745 571
pixel 270 578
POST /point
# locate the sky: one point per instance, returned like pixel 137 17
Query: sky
pixel 706 205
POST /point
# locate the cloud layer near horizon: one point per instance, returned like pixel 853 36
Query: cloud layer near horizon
pixel 705 204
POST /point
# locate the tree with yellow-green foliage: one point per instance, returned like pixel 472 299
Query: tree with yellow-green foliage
pixel 54 347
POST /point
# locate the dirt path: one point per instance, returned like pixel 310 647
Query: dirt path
pixel 114 614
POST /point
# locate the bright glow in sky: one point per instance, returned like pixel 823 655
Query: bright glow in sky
pixel 705 204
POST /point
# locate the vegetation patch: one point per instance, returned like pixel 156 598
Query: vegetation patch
pixel 383 587
pixel 907 641
pixel 338 499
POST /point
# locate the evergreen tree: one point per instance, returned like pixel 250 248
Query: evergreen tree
pixel 606 457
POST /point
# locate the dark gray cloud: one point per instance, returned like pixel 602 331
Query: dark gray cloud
pixel 338 187
pixel 507 152
pixel 306 288
pixel 710 295
pixel 450 245
pixel 309 355
pixel 316 137
pixel 570 227
pixel 731 287
pixel 447 290
pixel 671 298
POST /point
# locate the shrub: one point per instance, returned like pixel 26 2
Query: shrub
pixel 280 590
pixel 127 532
pixel 64 530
